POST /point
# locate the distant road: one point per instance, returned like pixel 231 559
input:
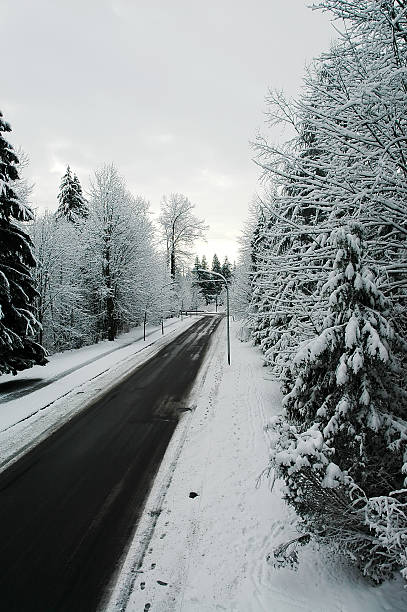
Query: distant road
pixel 69 507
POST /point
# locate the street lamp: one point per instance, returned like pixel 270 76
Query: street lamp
pixel 223 279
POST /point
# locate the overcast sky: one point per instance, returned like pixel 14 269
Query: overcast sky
pixel 171 91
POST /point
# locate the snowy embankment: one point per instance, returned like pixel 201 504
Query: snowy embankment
pixel 69 382
pixel 209 523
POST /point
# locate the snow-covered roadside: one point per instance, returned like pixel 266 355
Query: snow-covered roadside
pixel 208 552
pixel 64 363
pixel 93 370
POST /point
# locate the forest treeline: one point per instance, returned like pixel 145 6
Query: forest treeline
pixel 95 267
pixel 211 286
pixel 323 277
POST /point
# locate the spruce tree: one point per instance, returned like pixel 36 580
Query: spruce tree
pixel 216 287
pixel 206 288
pixel 72 204
pixel 343 435
pixel 345 383
pixel 196 272
pixel 81 204
pixel 216 267
pixel 18 325
pixel 227 269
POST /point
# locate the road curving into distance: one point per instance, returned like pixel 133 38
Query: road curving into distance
pixel 69 507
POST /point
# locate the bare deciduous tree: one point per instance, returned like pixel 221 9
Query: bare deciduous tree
pixel 180 228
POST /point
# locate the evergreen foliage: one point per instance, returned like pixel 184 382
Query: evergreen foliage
pixel 344 425
pixel 73 206
pixel 210 289
pixel 18 325
pixel 215 288
pixel 226 269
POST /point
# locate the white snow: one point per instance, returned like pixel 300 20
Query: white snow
pixel 342 372
pixel 352 332
pixel 76 378
pixel 357 361
pixel 350 271
pixel 333 476
pixel 209 553
pixel 373 343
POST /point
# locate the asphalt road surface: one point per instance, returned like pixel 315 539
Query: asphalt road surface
pixel 14 389
pixel 69 507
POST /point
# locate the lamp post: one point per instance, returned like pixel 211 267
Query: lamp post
pixel 223 279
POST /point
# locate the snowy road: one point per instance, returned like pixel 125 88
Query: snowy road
pixel 68 508
pixel 18 386
pixel 209 553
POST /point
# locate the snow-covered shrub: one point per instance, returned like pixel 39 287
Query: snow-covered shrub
pixel 386 517
pixel 372 532
pixel 286 554
pixel 344 426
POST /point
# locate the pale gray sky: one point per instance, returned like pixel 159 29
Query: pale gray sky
pixel 171 91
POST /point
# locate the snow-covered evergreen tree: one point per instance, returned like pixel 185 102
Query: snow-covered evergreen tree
pixel 72 204
pixel 226 269
pixel 345 421
pixel 204 281
pixel 216 287
pixel 18 325
pixel 80 203
pixel 216 267
pixel 204 263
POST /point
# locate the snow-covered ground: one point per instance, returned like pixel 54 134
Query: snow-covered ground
pixel 70 381
pixel 208 552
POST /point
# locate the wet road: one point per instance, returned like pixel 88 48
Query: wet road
pixel 69 507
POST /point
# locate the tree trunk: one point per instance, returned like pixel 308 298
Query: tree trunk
pixel 111 323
